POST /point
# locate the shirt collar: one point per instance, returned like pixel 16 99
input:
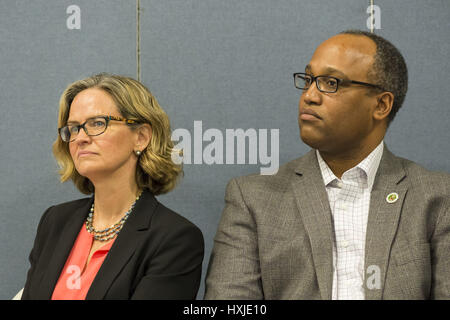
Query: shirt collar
pixel 369 166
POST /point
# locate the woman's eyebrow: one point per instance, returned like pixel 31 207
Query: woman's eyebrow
pixel 92 117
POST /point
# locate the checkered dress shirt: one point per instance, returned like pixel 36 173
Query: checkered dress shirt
pixel 349 199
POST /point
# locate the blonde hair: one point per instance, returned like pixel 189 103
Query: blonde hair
pixel 155 169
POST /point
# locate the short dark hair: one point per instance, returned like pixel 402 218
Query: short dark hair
pixel 389 69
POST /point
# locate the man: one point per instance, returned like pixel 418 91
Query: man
pixel 349 220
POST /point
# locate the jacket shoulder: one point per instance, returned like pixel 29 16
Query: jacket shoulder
pixel 167 219
pixel 270 182
pixel 429 180
pixel 64 210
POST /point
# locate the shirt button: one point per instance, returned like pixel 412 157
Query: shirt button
pixel 345 243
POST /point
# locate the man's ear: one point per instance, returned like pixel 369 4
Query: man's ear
pixel 144 135
pixel 384 106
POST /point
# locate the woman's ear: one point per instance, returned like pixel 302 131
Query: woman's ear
pixel 384 106
pixel 144 136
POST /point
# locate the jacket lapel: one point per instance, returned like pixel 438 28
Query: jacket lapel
pixel 314 207
pixel 382 222
pixel 62 249
pixel 124 246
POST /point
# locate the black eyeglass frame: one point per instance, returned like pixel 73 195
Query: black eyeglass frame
pixel 339 81
pixel 83 125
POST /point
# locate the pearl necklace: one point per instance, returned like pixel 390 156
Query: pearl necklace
pixel 111 232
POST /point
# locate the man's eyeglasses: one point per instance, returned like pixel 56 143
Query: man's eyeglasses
pixel 326 84
pixel 92 127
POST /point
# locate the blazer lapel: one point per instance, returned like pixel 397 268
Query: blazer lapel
pixel 62 249
pixel 124 246
pixel 314 207
pixel 382 222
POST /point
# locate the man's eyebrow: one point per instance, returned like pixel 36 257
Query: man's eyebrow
pixel 330 70
pixel 327 71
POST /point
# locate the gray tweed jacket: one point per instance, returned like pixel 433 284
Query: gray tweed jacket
pixel 275 237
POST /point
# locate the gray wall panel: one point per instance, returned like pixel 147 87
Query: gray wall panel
pixel 39 57
pixel 228 64
pixel 420 30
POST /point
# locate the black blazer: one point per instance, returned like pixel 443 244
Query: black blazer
pixel 157 255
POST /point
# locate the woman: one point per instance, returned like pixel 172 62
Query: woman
pixel 121 243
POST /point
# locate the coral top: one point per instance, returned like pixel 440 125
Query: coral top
pixel 76 278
